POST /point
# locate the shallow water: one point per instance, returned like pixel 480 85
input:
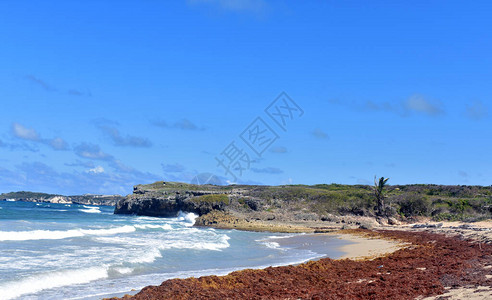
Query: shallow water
pixel 69 251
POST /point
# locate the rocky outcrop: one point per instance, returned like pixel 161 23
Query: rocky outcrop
pixel 164 207
pixel 223 220
pixel 170 203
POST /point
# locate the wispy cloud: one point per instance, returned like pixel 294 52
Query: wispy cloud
pixel 96 170
pixel 278 149
pixel 36 169
pixel 58 144
pixel 78 93
pixel 242 6
pixel 18 146
pixel 319 134
pixel 419 104
pixel 92 151
pixel 183 124
pixel 25 133
pixel 79 163
pixel 415 104
pixel 121 140
pixel 383 106
pixel 268 170
pixel 173 168
pixel 48 87
pixel 477 111
pixel 39 176
pixel 30 134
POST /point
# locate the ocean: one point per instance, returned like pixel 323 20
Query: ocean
pixel 70 251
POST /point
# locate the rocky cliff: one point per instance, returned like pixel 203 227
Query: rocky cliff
pixel 163 199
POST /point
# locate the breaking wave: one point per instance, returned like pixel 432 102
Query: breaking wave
pixel 60 234
pixel 91 209
pixel 51 280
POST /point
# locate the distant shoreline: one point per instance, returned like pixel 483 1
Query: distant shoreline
pixel 99 200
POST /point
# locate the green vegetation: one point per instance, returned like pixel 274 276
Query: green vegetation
pixel 438 202
pixel 379 191
pixel 213 198
pixel 435 201
pixel 162 186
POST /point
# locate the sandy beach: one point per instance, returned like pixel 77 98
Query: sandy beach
pixel 404 263
pixel 367 247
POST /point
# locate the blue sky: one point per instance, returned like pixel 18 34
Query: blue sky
pixel 100 95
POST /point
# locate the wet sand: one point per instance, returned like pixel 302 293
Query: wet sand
pixel 341 246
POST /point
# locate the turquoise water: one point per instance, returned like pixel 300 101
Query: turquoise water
pixel 68 251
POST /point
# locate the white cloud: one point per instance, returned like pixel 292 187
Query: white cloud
pixel 92 151
pixel 121 140
pixel 183 124
pixel 96 170
pixel 30 134
pixel 418 103
pixel 58 144
pixel 25 133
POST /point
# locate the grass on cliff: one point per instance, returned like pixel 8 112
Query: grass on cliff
pixel 213 198
pixel 181 186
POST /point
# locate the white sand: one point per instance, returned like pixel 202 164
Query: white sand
pixel 367 247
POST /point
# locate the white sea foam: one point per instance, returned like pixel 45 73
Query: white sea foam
pixel 154 226
pixel 272 245
pixel 148 257
pixel 60 234
pixel 183 238
pixel 216 243
pixel 39 282
pixel 283 236
pixel 91 209
pixel 189 218
pixel 109 231
pixel 123 270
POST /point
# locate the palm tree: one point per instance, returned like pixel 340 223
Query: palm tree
pixel 379 191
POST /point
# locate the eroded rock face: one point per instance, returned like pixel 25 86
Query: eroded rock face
pixel 147 207
pixel 168 205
